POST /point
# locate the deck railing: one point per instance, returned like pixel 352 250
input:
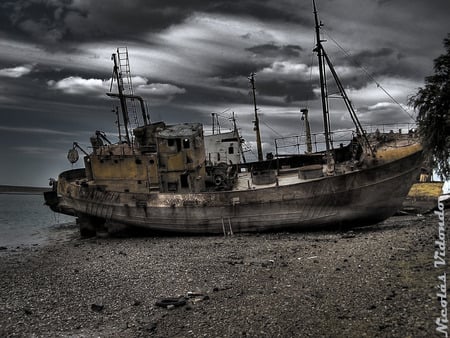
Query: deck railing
pixel 297 143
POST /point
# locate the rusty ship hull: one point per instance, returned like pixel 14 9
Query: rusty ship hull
pixel 356 198
pixel 173 178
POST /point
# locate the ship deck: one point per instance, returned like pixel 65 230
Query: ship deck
pixel 244 181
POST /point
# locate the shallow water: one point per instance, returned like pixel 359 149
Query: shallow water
pixel 26 221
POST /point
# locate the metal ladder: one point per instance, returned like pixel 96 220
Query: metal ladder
pixel 126 84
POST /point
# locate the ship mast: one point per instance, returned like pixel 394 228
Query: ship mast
pixel 256 121
pixel 307 130
pixel 323 91
pixel 324 59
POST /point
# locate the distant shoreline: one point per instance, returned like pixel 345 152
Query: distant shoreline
pixel 23 190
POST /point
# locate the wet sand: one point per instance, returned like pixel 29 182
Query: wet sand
pixel 376 281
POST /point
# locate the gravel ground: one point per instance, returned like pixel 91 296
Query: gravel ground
pixel 376 281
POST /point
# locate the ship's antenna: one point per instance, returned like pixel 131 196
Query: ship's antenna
pixel 256 121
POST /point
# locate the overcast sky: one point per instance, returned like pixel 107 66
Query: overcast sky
pixel 191 58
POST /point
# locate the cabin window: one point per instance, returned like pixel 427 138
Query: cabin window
pixel 218 156
pixel 186 143
pixel 231 150
pixel 184 180
pixel 172 186
pixel 151 162
pixel 138 161
pixel 172 142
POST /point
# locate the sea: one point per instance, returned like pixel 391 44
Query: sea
pixel 25 221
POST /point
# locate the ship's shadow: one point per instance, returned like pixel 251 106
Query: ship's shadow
pixel 346 230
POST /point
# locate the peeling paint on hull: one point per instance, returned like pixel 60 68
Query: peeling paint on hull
pixel 356 198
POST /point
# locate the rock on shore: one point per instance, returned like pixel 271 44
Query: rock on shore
pixel 376 281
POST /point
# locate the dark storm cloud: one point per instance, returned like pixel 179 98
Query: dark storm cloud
pixel 381 61
pixel 290 91
pixel 274 51
pixel 264 9
pixel 368 55
pixel 378 62
pixel 230 73
pixel 71 21
pixel 259 58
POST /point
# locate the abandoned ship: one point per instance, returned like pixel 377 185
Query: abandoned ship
pixel 173 178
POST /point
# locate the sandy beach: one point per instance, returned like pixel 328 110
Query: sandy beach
pixel 377 281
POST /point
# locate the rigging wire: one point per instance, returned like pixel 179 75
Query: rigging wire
pixel 277 133
pixel 311 64
pixel 368 75
pixel 225 116
pixel 246 145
